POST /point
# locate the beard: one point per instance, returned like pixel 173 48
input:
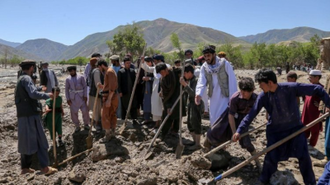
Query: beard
pixel 212 61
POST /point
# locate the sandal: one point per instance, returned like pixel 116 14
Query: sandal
pixel 27 170
pixel 50 171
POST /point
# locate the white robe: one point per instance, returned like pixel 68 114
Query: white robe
pixel 218 102
pixel 156 101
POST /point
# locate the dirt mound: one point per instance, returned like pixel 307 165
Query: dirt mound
pixel 124 159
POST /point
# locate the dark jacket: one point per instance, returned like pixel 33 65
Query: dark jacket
pixel 122 79
pixel 25 104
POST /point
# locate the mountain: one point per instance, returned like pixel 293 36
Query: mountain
pixel 43 48
pixel 13 51
pixel 11 44
pixel 299 34
pixel 157 35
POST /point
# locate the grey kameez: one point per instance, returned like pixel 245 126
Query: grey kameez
pixel 31 136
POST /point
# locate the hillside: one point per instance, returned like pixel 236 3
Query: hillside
pixel 11 44
pixel 13 51
pixel 299 34
pixel 157 34
pixel 43 48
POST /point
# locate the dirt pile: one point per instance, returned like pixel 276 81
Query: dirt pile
pixel 124 159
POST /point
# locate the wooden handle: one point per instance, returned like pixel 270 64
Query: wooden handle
pixel 230 141
pixel 53 120
pixel 161 125
pixel 94 107
pixel 134 87
pixel 75 156
pixel 266 150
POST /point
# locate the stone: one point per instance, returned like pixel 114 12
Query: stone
pixel 199 161
pixel 283 177
pixel 77 177
pixel 219 161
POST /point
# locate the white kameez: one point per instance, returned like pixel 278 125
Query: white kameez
pixel 218 102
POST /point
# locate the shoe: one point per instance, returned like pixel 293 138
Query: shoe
pixel 86 127
pixel 77 129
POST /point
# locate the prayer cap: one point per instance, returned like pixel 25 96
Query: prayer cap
pixel 315 72
pixel 114 57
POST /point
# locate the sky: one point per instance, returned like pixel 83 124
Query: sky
pixel 69 21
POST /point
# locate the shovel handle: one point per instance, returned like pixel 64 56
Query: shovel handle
pixel 163 123
pixel 75 156
pixel 230 141
pixel 94 107
pixel 266 150
pixel 53 125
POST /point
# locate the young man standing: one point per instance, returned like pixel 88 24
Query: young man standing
pixel 126 79
pixel 194 119
pixel 97 76
pixel 170 89
pixel 216 76
pixel 279 100
pixel 48 78
pixel 76 96
pixel 31 135
pixel 311 109
pixel 109 99
pixel 115 65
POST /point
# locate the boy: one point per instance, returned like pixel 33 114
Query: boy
pixel 58 115
pixel 311 109
pixel 194 111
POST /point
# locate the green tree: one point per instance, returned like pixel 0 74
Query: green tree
pixel 129 40
pixel 233 54
pixel 176 44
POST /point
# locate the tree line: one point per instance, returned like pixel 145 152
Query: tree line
pixel 130 40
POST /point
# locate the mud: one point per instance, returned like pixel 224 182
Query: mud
pixel 124 160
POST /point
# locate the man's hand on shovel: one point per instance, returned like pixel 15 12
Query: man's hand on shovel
pixel 236 137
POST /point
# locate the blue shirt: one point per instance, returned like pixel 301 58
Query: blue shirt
pixel 282 107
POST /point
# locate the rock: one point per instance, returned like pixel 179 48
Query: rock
pixel 283 177
pixel 199 161
pixel 102 151
pixel 77 176
pixel 219 161
pixel 149 180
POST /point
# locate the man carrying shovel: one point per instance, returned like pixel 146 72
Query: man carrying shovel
pixel 279 100
pixel 110 100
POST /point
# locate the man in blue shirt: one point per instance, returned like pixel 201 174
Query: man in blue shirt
pixel 279 100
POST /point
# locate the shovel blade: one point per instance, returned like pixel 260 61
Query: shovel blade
pixel 122 129
pixel 179 150
pixel 89 142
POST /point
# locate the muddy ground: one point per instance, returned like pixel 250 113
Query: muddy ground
pixel 123 160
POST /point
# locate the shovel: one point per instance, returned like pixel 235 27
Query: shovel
pixel 89 139
pixel 54 136
pixel 180 147
pixel 144 154
pixel 123 127
pixel 230 141
pixel 266 150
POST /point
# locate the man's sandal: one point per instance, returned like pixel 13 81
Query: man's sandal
pixel 50 171
pixel 27 170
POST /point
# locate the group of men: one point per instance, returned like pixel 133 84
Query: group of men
pixel 209 85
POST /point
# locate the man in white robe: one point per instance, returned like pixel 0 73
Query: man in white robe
pixel 156 100
pixel 216 69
